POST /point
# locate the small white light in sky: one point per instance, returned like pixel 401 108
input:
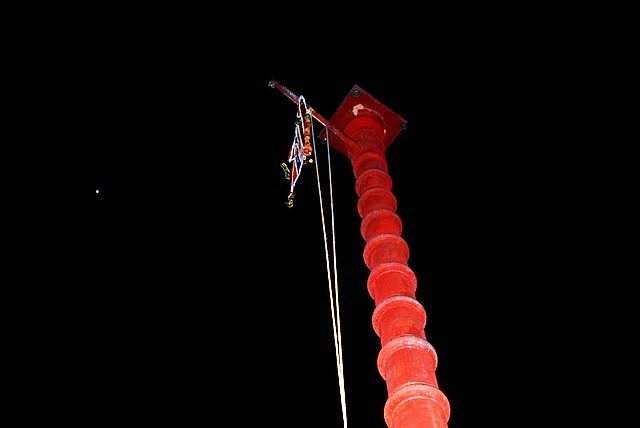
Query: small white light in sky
pixel 97 191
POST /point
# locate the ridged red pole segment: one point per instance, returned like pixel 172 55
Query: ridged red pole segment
pixel 406 361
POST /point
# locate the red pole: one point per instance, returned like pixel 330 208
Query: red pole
pixel 406 361
pixel 365 128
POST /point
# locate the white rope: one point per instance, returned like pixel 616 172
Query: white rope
pixel 335 273
pixel 333 288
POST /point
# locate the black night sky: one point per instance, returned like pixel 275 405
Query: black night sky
pixel 210 295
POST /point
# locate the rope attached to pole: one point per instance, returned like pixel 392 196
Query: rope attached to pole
pixel 334 295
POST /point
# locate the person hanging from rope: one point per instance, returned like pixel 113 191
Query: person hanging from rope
pixel 301 150
pixel 307 150
pixel 304 145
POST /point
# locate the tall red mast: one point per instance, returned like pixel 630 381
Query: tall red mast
pixel 364 128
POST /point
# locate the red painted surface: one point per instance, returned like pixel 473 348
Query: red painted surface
pixel 406 361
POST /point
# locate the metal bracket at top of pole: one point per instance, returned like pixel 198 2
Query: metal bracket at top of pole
pixel 348 142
